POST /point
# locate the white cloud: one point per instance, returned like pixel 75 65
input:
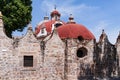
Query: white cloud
pixel 66 7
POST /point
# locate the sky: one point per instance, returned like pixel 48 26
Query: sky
pixel 94 14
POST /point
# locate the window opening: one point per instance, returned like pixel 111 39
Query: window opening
pixel 80 38
pixel 28 61
pixel 81 52
pixel 57 25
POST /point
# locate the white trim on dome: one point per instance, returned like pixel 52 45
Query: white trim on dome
pixel 53 27
pixel 42 32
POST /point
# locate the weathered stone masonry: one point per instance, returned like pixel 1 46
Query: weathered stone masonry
pixel 29 58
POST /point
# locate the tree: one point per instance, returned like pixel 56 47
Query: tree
pixel 16 14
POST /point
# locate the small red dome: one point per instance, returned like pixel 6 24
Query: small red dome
pixel 48 26
pixel 74 31
pixel 55 12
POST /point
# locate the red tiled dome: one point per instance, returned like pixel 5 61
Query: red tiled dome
pixel 48 26
pixel 55 12
pixel 74 31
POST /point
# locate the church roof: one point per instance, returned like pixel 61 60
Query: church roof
pixel 74 31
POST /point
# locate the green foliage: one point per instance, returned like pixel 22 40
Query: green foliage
pixel 16 14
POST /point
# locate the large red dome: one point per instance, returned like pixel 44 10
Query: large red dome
pixel 74 31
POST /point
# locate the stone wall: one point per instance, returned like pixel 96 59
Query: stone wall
pixel 6 56
pixel 85 64
pixel 48 57
pixel 105 59
pixel 56 59
pixel 74 63
pixel 12 54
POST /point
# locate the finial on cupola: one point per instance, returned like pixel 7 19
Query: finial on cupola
pixel 55 7
pixel 46 17
pixel 103 31
pixel 71 19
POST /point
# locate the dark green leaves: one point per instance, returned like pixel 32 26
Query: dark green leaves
pixel 16 14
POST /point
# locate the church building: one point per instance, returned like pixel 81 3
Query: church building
pixel 58 50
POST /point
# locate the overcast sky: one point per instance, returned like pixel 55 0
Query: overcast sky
pixel 94 14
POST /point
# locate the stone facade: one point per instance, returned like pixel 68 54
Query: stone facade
pixel 56 59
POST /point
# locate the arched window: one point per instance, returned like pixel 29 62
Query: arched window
pixel 81 52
